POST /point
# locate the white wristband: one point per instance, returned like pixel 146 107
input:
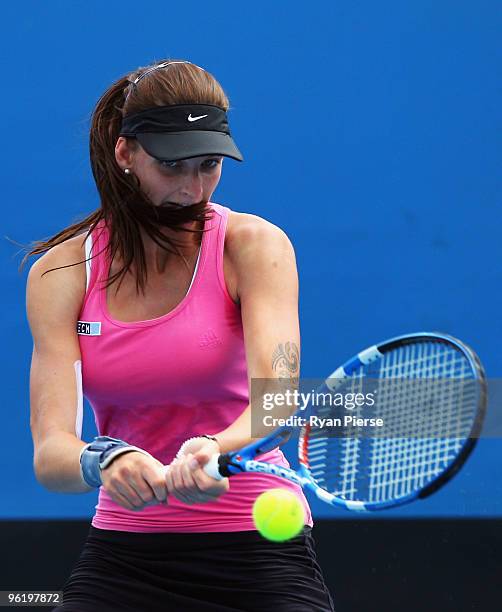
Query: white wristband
pixel 181 451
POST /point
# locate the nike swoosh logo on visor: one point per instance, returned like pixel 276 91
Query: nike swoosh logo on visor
pixel 190 118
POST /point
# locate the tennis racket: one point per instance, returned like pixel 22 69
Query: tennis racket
pixel 429 390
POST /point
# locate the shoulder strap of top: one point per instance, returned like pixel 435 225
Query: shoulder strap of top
pixel 88 247
pixel 92 255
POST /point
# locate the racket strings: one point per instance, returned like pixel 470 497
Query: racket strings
pixel 426 396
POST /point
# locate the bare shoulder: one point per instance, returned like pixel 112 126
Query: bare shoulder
pixel 247 233
pixel 64 265
pixel 70 251
pixel 260 256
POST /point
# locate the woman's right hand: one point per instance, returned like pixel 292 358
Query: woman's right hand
pixel 135 480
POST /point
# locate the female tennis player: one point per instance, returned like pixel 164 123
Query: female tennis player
pixel 161 315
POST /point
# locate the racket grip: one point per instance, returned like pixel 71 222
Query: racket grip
pixel 212 467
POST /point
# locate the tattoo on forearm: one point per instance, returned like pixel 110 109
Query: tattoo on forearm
pixel 286 361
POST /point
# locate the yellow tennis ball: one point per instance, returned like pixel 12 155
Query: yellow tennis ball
pixel 278 515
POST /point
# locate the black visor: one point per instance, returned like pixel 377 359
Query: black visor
pixel 182 131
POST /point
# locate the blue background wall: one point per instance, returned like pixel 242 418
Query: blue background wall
pixel 371 133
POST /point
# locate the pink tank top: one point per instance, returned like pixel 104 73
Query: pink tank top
pixel 156 383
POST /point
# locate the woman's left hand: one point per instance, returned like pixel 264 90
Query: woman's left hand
pixel 186 479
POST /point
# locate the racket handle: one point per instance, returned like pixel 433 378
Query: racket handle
pixel 212 467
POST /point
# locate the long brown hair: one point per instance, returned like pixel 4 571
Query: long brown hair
pixel 124 206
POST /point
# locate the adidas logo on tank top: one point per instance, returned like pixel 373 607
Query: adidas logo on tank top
pixel 209 340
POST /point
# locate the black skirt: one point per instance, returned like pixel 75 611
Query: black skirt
pixel 184 572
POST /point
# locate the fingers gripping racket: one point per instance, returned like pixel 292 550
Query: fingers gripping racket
pixel 432 384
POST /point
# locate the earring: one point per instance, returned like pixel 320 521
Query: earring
pixel 127 170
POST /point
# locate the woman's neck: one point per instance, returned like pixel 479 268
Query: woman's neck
pixel 187 247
